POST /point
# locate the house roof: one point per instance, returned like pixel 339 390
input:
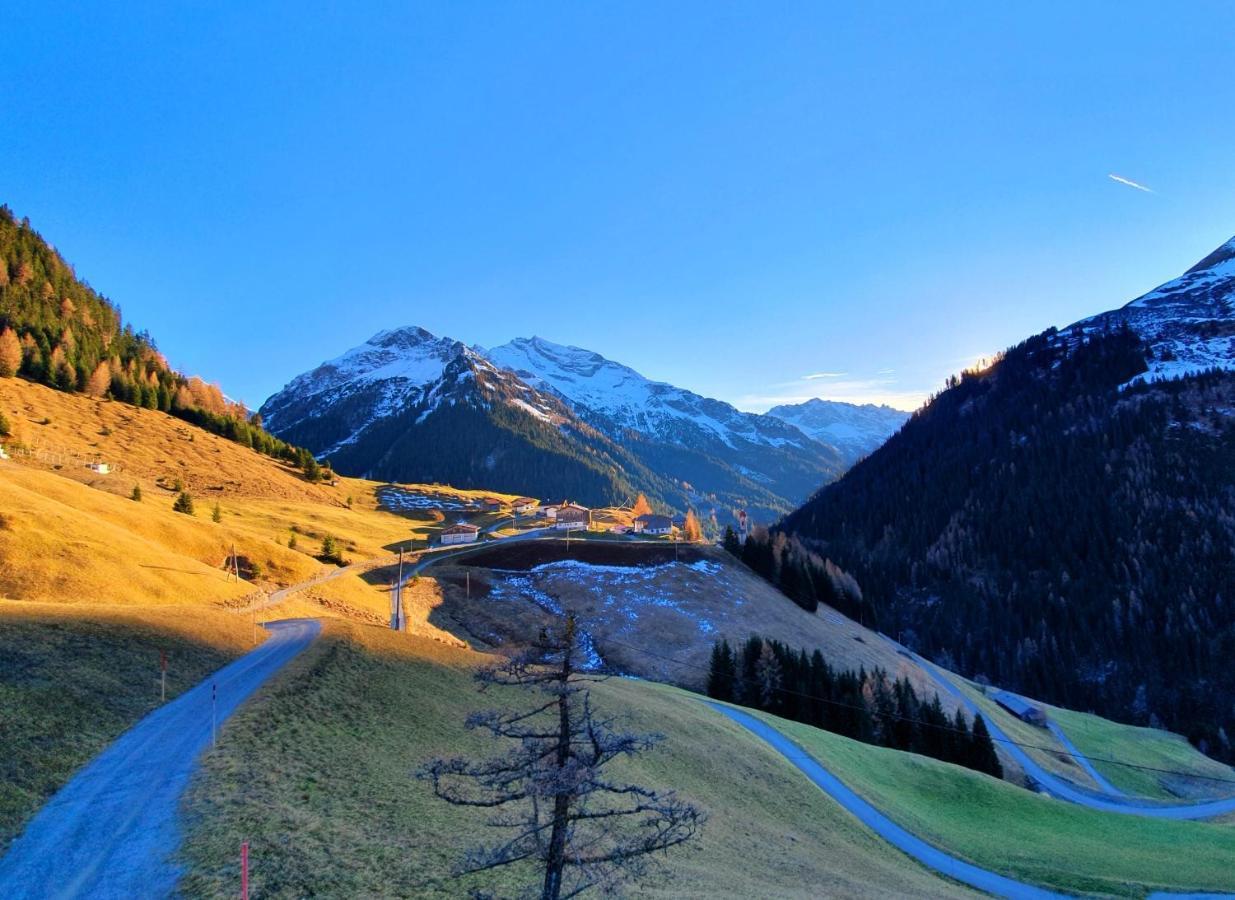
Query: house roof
pixel 573 510
pixel 461 528
pixel 523 501
pixel 1013 703
pixel 655 521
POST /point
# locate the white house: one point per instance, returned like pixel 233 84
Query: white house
pixel 101 468
pixel 460 533
pixel 524 505
pixel 653 524
pixel 572 517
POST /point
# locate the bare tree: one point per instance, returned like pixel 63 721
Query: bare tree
pixel 584 829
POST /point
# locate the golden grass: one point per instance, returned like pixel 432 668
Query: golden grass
pixel 74 678
pixel 316 773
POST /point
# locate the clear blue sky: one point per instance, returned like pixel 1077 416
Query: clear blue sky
pixel 729 197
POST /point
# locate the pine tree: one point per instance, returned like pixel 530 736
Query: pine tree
pixel 5 428
pixel 982 755
pixel 136 495
pixel 330 550
pixel 216 514
pixel 184 503
pixel 291 542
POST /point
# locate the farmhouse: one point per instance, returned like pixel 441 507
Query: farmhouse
pixel 653 524
pixel 524 505
pixel 490 504
pixel 1021 708
pixel 571 516
pixel 460 533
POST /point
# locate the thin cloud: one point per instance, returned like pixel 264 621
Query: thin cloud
pixel 817 375
pixel 1129 183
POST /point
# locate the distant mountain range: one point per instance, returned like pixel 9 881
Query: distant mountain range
pixel 1063 522
pixel 851 429
pixel 539 417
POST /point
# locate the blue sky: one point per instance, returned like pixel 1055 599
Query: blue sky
pixel 729 197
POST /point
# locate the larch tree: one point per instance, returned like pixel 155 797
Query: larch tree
pixel 641 507
pixel 691 531
pixel 550 791
pixel 100 380
pixel 10 353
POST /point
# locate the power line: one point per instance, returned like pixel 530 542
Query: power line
pixel 951 728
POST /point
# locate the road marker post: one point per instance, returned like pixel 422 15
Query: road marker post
pixel 163 675
pixel 214 717
pixel 244 871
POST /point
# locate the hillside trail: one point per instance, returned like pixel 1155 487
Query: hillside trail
pixel 112 830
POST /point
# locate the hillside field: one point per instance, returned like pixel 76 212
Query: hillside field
pixel 327 751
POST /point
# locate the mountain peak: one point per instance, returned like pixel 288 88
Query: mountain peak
pixel 1224 254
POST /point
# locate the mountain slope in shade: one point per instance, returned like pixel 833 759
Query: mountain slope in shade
pixel 409 406
pixel 1188 324
pixel 706 443
pixel 1063 522
pixel 852 429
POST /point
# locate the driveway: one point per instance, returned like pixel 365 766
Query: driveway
pixel 111 831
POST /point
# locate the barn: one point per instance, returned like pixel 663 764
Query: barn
pixel 1021 708
pixel 460 533
pixel 572 517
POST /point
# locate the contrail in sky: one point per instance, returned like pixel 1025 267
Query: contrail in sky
pixel 1122 180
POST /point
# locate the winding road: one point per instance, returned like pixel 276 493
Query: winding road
pixel 927 854
pixel 1065 790
pixel 111 831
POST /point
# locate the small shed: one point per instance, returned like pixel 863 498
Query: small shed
pixel 460 533
pixel 1021 708
pixel 490 504
pixel 100 468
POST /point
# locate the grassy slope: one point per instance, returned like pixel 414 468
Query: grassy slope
pixel 69 685
pixel 316 772
pixel 1025 835
pixel 1098 737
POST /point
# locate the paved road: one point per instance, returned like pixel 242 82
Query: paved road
pixel 1083 761
pixel 1065 790
pixel 110 831
pixel 928 855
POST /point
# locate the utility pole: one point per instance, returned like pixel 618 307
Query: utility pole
pixel 468 578
pixel 214 715
pixel 163 675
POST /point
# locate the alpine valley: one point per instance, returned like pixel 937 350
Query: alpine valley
pixel 1063 522
pixel 542 418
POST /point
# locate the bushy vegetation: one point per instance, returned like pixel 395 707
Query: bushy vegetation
pixel 1043 526
pixel 865 706
pixel 56 330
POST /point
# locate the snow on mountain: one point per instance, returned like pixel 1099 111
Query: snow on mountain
pixel 854 430
pixel 621 398
pixel 393 372
pixel 1188 323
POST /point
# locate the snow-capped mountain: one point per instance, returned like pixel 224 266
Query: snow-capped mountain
pixel 624 399
pixel 1188 323
pixel 706 443
pixel 408 405
pixel 853 429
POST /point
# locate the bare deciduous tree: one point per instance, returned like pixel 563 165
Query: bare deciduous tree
pixel 551 791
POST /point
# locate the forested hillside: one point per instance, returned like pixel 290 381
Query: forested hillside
pixel 1058 531
pixel 56 330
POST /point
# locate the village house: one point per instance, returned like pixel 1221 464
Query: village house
pixel 524 505
pixel 460 533
pixel 572 516
pixel 653 524
pixel 491 504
